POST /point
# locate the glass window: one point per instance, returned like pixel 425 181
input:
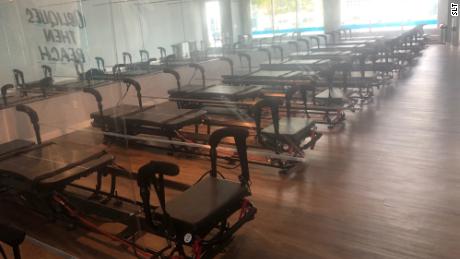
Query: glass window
pixel 285 16
pixel 310 15
pixel 213 25
pixel 261 17
pixel 375 14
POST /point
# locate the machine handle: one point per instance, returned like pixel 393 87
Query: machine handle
pixel 162 52
pixel 145 55
pixel 295 44
pixel 47 71
pixel 33 116
pixel 117 69
pixel 126 56
pixel 248 58
pixel 100 63
pixel 240 136
pixel 316 39
pixel 153 174
pixel 280 49
pixel 19 78
pixel 98 98
pixel 131 82
pixel 4 91
pixel 230 63
pixel 307 43
pixel 324 37
pixel 201 69
pixel 269 55
pixel 175 74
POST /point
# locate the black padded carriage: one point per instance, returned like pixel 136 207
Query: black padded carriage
pixel 47 165
pixel 211 93
pixel 131 119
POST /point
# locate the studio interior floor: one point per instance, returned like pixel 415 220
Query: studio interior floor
pixel 386 186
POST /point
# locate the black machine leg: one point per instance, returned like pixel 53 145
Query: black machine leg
pixel 305 102
pixel 16 252
pixel 98 186
pixel 2 252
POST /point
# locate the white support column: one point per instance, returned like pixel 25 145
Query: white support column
pixel 245 11
pixel 227 24
pixel 331 15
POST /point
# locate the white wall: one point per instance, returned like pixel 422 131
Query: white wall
pixel 112 27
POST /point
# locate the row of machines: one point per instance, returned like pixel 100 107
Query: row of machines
pixel 268 116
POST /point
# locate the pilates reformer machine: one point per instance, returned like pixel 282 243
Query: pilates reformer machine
pixel 146 65
pixel 48 85
pixel 275 48
pixel 362 66
pixel 22 91
pixel 304 75
pixel 160 120
pixel 195 224
pixel 242 105
pixel 179 122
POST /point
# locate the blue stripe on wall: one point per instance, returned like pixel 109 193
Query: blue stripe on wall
pixel 390 24
pixel 351 26
pixel 288 30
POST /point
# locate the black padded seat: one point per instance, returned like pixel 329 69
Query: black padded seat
pixel 117 111
pixel 212 198
pixel 293 126
pixel 163 116
pixel 228 92
pixel 113 118
pixel 11 235
pixel 185 89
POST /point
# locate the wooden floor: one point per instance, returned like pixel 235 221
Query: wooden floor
pixel 386 186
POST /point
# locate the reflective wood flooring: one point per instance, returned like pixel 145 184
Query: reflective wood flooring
pixel 386 186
